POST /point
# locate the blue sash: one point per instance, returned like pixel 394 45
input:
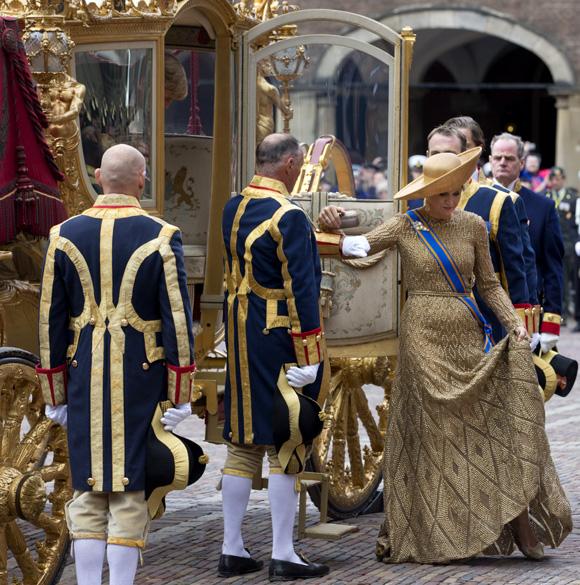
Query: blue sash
pixel 449 269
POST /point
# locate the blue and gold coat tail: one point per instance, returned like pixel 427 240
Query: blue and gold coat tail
pixel 297 422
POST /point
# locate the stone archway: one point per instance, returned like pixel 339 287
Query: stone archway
pixel 463 25
pixel 489 23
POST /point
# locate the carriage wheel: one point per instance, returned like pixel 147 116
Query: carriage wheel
pixel 350 447
pixel 34 478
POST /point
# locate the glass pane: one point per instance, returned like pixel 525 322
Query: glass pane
pixel 118 104
pixel 304 91
pixel 191 114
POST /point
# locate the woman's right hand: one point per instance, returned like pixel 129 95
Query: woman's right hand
pixel 521 333
pixel 329 218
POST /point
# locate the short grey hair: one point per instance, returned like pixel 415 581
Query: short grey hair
pixel 274 147
pixel 507 136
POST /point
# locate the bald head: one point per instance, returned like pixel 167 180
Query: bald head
pixel 122 171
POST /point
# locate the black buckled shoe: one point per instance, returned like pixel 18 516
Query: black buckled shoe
pixel 232 566
pixel 287 571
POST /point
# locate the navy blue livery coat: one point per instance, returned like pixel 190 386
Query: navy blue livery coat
pixel 115 336
pixel 546 237
pixel 272 310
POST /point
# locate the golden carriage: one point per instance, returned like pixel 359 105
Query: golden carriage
pixel 102 73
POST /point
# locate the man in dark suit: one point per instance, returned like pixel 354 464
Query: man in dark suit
pixel 115 340
pixel 566 201
pixel 507 160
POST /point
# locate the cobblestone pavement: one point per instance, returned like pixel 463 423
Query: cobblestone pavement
pixel 185 544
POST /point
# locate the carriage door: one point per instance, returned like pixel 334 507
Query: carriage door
pixel 331 73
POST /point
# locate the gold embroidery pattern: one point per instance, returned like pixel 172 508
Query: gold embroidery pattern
pixel 276 234
pixel 46 298
pixel 96 424
pixel 494 217
pixel 552 318
pixel 495 213
pixel 58 387
pixel 272 318
pixel 328 243
pixel 234 279
pixel 175 299
pixel 232 351
pixel 293 452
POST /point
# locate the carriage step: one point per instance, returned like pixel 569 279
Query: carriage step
pixel 327 531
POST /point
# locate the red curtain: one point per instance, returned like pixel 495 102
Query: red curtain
pixel 29 196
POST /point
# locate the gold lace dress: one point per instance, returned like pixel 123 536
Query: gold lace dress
pixel 466 449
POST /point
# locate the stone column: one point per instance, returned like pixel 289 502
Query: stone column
pixel 568 135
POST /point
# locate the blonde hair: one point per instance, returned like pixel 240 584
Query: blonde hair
pixel 176 86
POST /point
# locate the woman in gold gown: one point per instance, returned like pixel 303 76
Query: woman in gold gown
pixel 467 465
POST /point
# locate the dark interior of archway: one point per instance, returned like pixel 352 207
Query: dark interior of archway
pixel 513 95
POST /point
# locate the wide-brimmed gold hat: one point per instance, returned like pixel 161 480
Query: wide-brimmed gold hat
pixel 442 173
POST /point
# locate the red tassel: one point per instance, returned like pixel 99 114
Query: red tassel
pixel 25 199
pixel 7 220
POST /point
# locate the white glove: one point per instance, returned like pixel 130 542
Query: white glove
pixel 57 414
pixel 534 341
pixel 299 377
pixel 357 246
pixel 577 248
pixel 173 416
pixel 548 341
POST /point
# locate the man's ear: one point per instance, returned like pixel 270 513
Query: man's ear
pixel 98 177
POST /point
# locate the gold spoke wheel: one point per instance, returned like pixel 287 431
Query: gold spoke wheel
pixel 350 447
pixel 34 478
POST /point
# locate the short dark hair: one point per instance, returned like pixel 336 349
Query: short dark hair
pixel 557 171
pixel 271 151
pixel 468 123
pixel 450 132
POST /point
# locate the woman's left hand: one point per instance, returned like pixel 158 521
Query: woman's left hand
pixel 521 333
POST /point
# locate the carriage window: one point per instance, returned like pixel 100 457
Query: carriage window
pixel 118 106
pixel 189 87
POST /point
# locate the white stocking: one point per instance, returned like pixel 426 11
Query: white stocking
pixel 235 495
pixel 89 554
pixel 283 500
pixel 122 563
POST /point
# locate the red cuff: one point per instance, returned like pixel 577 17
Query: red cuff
pixel 179 382
pixel 307 347
pixel 551 323
pixel 53 384
pixel 548 327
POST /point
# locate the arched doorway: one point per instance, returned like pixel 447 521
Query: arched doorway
pixel 504 86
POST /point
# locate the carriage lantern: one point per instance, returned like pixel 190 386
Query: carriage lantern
pixel 288 65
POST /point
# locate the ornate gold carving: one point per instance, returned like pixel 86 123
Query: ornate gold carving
pixel 268 96
pixel 87 12
pixel 33 453
pixel 351 445
pixel 263 9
